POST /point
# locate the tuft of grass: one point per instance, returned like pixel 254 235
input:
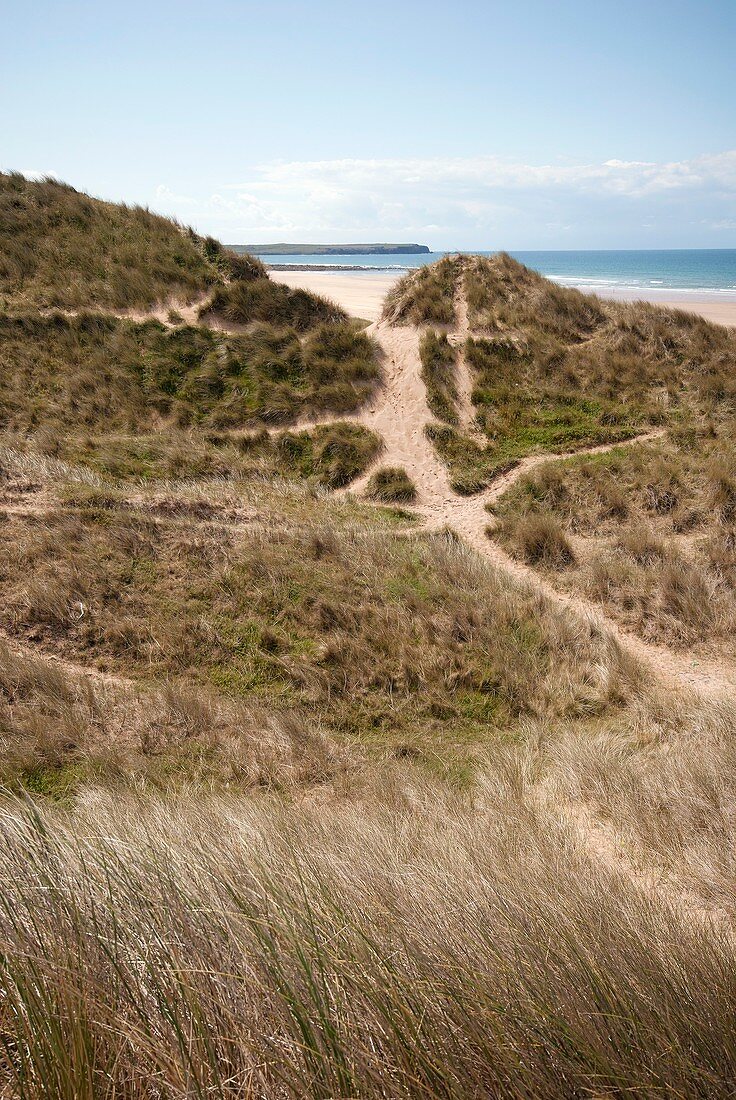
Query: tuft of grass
pixel 425 296
pixel 539 539
pixel 262 300
pixel 438 358
pixel 391 484
pixel 332 454
pixel 232 266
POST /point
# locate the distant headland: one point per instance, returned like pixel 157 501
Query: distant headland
pixel 331 249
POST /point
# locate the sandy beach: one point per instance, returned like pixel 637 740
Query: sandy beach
pixel 361 293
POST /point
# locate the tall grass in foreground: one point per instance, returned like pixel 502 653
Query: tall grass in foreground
pixel 423 949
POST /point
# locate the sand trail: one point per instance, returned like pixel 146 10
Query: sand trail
pixel 605 847
pixel 188 312
pixel 463 377
pixel 30 651
pixel 399 413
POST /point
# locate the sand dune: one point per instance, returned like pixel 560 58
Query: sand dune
pixel 399 414
pixel 361 293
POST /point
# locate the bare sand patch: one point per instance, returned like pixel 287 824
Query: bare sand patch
pixel 360 293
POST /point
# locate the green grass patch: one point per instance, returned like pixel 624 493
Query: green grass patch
pixel 471 466
pixel 438 358
pixel 516 427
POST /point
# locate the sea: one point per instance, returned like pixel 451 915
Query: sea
pixel 707 272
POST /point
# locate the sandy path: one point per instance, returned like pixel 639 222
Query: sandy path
pixel 30 651
pixel 604 846
pixel 188 311
pixel 463 377
pixel 469 518
pixel 399 414
pixel 231 521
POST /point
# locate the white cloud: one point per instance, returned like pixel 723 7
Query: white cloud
pixel 461 200
pixel 166 196
pixel 620 177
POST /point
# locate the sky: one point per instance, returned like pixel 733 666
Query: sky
pixel 520 124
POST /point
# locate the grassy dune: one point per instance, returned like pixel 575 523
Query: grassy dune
pixel 556 370
pixel 292 601
pixel 301 799
pixel 425 296
pixel 62 249
pixel 158 397
pixel 550 341
pixel 99 373
pixel 649 534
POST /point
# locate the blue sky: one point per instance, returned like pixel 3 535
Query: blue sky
pixel 531 124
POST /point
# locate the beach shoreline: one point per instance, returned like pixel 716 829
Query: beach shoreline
pixel 361 293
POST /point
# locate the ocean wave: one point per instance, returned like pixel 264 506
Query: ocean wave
pixel 593 283
pixel 610 283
